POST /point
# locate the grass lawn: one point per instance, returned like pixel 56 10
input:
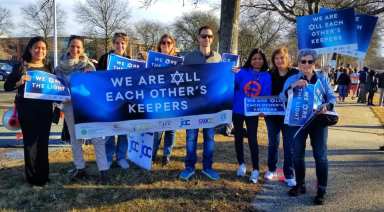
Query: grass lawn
pixel 135 189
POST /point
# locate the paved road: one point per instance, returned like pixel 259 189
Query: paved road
pixel 356 169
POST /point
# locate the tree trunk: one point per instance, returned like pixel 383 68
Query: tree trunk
pixel 229 26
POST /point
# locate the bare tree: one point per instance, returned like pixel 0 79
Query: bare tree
pixel 5 21
pixel 149 32
pixel 290 9
pixel 264 31
pixel 38 18
pixel 104 17
pixel 186 28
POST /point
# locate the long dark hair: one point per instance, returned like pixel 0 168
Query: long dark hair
pixel 27 57
pixel 249 60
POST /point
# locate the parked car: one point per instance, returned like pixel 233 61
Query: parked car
pixel 5 70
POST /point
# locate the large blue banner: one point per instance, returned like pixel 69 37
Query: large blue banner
pixel 327 32
pixel 152 99
pixel 365 26
pixel 302 102
pixel 116 62
pixel 267 105
pixel 43 85
pixel 159 60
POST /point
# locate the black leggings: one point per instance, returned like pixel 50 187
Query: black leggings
pixel 252 123
pixel 35 118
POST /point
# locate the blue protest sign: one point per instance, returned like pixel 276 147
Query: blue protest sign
pixel 233 58
pixel 151 100
pixel 140 147
pixel 365 26
pixel 117 62
pixel 159 60
pixel 327 32
pixel 302 102
pixel 267 105
pixel 43 85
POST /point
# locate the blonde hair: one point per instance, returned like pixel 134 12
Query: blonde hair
pixel 283 51
pixel 173 50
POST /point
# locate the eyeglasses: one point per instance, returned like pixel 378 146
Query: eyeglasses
pixel 310 62
pixel 206 36
pixel 166 43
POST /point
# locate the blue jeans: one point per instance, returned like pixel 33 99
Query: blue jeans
pixel 120 150
pixel 169 141
pixel 208 148
pixel 318 136
pixel 275 125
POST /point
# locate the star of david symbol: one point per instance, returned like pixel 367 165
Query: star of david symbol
pixel 177 78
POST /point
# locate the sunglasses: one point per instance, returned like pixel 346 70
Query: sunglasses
pixel 310 62
pixel 206 36
pixel 166 43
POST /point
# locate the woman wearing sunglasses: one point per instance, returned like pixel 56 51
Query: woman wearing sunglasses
pixel 166 45
pixel 317 131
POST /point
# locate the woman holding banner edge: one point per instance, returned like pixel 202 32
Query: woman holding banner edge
pixel 166 45
pixel 76 60
pixel 119 41
pixel 251 81
pixel 35 116
pixel 317 130
pixel 280 72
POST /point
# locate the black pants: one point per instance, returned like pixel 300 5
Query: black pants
pixel 371 93
pixel 35 118
pixel 251 122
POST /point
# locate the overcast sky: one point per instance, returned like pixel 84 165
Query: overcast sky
pixel 165 11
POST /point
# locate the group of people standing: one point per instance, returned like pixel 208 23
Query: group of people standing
pixel 36 115
pixel 359 84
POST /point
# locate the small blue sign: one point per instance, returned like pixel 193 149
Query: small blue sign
pixel 365 26
pixel 159 60
pixel 233 58
pixel 327 32
pixel 267 105
pixel 117 62
pixel 43 85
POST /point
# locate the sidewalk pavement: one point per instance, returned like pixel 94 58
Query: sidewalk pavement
pixel 356 169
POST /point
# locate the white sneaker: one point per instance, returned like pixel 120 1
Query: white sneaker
pixel 241 170
pixel 123 164
pixel 254 176
pixel 290 182
pixel 270 175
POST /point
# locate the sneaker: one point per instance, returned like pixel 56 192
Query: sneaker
pixel 79 174
pixel 290 182
pixel 123 163
pixel 270 176
pixel 211 174
pixel 241 170
pixel 297 190
pixel 254 176
pixel 186 174
pixel 165 161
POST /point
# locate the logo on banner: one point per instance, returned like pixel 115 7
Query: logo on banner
pixel 252 89
pixel 185 122
pixel 205 121
pixel 165 123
